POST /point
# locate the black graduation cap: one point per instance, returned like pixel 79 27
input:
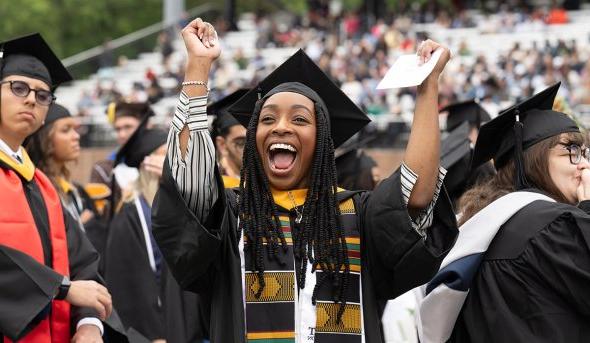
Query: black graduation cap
pixel 137 110
pixel 351 160
pixel 518 128
pixel 346 118
pixel 142 143
pixel 469 111
pixel 31 56
pixel 455 146
pixel 224 119
pixel 55 112
pixel 455 157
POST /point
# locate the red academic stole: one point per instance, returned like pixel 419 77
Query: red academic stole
pixel 19 231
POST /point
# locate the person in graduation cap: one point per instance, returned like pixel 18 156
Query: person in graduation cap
pixel 355 169
pixel 519 271
pixel 147 297
pixel 125 118
pixel 229 137
pixel 50 283
pixel 51 148
pixel 463 122
pixel 132 259
pixel 288 256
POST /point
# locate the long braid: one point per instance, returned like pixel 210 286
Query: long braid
pixel 320 240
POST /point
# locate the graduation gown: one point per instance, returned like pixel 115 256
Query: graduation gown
pixel 132 282
pixel 533 283
pixel 28 286
pixel 186 313
pixel 204 256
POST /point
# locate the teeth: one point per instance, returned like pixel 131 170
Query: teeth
pixel 282 146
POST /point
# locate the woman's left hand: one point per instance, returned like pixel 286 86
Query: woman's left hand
pixel 425 51
pixel 154 164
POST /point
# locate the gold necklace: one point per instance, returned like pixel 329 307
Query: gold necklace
pixel 299 214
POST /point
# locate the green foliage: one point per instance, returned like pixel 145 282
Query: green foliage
pixel 72 26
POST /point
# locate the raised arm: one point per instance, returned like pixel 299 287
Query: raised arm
pixel 190 149
pixel 423 150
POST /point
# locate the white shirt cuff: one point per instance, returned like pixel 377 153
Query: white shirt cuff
pixel 91 321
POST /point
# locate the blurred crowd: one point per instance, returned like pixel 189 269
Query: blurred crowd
pixel 357 52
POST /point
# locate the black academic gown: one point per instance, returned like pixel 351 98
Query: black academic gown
pixel 131 281
pixel 186 313
pixel 534 282
pixel 204 256
pixel 28 287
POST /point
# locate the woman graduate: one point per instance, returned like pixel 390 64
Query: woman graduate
pixel 133 263
pixel 51 148
pixel 41 246
pixel 290 257
pixel 520 271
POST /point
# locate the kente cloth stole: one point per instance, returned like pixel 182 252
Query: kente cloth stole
pixel 271 318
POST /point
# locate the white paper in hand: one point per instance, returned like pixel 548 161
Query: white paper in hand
pixel 407 72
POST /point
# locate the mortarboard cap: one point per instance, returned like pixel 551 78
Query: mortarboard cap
pixel 351 161
pixel 137 110
pixel 31 56
pixel 455 157
pixel 345 117
pixel 55 112
pixel 518 128
pixel 466 111
pixel 142 143
pixel 224 119
pixel 455 146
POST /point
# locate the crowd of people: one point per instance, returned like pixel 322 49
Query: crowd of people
pixel 272 224
pixel 357 53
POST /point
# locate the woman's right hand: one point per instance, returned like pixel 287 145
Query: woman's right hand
pixel 201 41
pixel 91 294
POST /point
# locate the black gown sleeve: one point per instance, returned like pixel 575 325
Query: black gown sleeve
pixel 400 258
pixel 84 262
pixel 26 290
pixel 560 255
pixel 190 247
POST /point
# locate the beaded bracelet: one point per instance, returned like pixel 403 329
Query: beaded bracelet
pixel 196 83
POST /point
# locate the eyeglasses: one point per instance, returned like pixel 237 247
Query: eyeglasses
pixel 576 152
pixel 22 89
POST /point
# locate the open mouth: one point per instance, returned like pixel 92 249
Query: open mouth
pixel 282 157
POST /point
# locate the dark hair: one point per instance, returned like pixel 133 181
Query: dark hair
pixel 320 238
pixel 40 149
pixel 536 165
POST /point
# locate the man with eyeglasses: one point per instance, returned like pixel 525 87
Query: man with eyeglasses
pixel 41 246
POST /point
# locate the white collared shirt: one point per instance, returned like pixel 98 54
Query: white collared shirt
pixel 16 155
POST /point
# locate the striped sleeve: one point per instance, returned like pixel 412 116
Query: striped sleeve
pixel 425 217
pixel 195 175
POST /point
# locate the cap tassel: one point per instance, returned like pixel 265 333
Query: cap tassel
pixel 520 181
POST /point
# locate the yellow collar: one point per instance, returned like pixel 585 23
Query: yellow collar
pixel 26 169
pixel 230 181
pixel 65 186
pixel 283 199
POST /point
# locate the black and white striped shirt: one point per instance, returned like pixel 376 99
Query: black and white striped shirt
pixel 195 174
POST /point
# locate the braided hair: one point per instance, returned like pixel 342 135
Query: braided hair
pixel 319 239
